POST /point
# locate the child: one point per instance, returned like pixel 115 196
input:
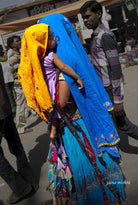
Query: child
pixel 49 64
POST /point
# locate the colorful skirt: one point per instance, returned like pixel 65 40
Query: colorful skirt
pixel 74 180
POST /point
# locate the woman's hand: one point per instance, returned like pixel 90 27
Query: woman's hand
pixel 79 81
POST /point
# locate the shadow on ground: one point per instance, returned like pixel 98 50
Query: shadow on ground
pixel 48 202
pixel 38 120
pixel 38 155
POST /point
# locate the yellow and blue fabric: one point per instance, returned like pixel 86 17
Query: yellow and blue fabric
pixel 96 123
pixel 92 101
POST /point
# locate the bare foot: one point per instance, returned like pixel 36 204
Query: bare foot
pixel 53 132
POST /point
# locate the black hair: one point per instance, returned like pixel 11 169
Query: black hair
pixel 10 40
pixel 93 6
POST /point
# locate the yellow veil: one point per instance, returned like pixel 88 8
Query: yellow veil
pixel 33 48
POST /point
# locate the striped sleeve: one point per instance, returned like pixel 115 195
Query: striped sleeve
pixel 110 48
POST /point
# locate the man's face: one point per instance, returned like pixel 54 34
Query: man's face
pixel 91 19
pixel 16 43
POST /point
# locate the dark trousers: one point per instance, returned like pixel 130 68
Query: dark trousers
pixel 122 123
pixel 17 180
pixel 11 94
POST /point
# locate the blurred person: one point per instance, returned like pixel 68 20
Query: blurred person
pixel 105 59
pixel 8 79
pixel 14 43
pixel 22 181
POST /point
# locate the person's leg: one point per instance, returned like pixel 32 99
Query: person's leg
pixel 14 180
pixel 109 92
pixel 20 110
pixel 64 93
pixel 123 124
pixel 128 127
pixel 10 92
pixel 16 148
pixel 54 125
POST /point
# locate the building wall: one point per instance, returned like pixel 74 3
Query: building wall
pixel 31 10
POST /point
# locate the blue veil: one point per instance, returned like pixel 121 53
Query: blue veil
pixel 92 101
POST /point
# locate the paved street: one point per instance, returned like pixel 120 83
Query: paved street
pixel 36 144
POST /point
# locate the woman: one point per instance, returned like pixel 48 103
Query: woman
pixel 83 159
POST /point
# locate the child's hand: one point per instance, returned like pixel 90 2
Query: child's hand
pixel 79 81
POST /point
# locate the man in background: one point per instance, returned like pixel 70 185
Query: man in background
pixel 105 59
pixel 8 78
pixel 14 43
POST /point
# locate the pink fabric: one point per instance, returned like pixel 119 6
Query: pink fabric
pixel 49 72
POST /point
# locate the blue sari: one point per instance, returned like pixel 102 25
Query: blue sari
pixel 93 100
pixel 93 104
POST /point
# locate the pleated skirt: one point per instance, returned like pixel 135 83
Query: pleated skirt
pixel 72 178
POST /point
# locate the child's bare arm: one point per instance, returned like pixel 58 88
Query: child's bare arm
pixel 67 70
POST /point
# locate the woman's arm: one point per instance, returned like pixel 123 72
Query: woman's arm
pixel 67 70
